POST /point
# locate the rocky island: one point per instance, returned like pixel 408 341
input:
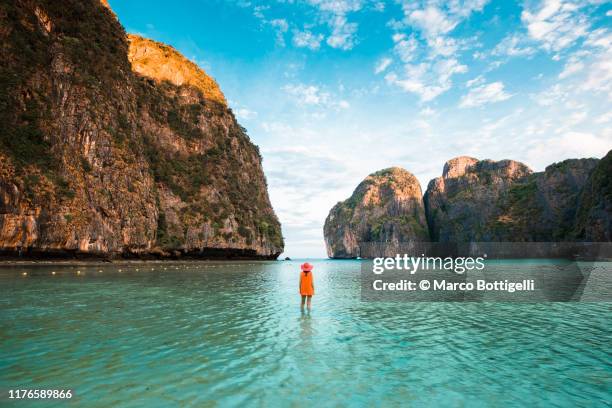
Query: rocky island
pixel 118 146
pixel 479 201
pixel 386 207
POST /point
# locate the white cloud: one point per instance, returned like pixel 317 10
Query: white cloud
pixel 442 46
pixel 258 11
pixel 434 20
pixel 245 114
pixel 307 39
pixel 604 118
pixel 549 97
pixel 337 6
pixel 513 46
pixel 343 33
pixel 556 24
pixel 427 80
pixel 342 104
pixel 331 13
pixel 439 18
pixel 572 66
pixel 484 94
pixel 594 61
pixel 398 37
pixel 382 65
pixel 307 94
pixel 379 6
pixel 313 96
pixel 466 7
pixel 405 48
pixel 280 23
pixel 600 38
pixel 427 112
pixel 599 75
pixel 569 144
pixel 476 81
pixel 281 26
pixel 334 12
pixel 278 128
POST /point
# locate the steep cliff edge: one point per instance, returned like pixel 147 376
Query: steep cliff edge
pixel 386 207
pixel 543 207
pixel 461 205
pixel 161 62
pixel 109 156
pixel 505 201
pixel 594 212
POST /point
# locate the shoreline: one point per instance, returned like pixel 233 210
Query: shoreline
pixel 55 256
pixel 93 262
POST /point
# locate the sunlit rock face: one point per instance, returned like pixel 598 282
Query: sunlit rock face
pixel 162 63
pixel 117 146
pixel 386 207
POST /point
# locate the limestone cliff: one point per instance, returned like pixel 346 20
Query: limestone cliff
pixel 461 205
pixel 543 206
pixel 594 212
pixel 105 155
pixel 505 201
pixel 161 62
pixel 481 201
pixel 385 207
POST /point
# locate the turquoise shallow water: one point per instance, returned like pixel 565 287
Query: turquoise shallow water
pixel 230 334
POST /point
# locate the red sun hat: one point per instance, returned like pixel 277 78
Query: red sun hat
pixel 306 267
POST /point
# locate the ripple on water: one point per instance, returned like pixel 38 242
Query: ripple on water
pixel 189 334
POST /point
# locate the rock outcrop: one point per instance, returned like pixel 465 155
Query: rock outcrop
pixel 487 201
pixel 386 207
pixel 594 212
pixel 105 155
pixel 462 205
pixel 543 207
pixel 505 201
pixel 161 62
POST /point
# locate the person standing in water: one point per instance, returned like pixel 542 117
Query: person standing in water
pixel 306 284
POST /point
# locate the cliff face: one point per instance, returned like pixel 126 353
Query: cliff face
pixel 543 206
pixel 385 207
pixel 105 155
pixel 461 205
pixel 486 201
pixel 594 213
pixel 162 63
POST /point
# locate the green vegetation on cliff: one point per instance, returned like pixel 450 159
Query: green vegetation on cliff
pixel 594 213
pixel 386 207
pixel 120 147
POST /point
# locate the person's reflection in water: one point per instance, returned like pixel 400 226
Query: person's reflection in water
pixel 306 325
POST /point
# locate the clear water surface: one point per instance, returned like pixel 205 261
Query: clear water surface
pixel 232 334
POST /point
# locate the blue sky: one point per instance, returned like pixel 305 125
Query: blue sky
pixel 333 90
